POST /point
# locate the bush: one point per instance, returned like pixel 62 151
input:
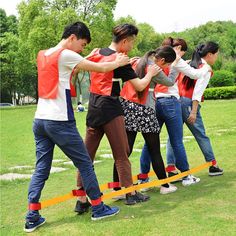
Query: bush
pixel 220 93
pixel 230 65
pixel 222 78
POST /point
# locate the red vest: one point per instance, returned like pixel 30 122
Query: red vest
pixel 129 93
pixel 183 92
pixel 160 88
pixel 48 75
pixel 101 83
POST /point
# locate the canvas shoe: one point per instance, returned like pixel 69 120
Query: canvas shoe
pixel 105 212
pixel 82 207
pixel 164 190
pixel 31 226
pixel 215 171
pixel 189 180
pixel 136 198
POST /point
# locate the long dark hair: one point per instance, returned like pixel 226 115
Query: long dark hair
pixel 165 52
pixel 201 51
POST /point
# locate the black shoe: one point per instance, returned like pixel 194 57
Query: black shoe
pixel 136 198
pixel 81 207
pixel 173 173
pixel 215 170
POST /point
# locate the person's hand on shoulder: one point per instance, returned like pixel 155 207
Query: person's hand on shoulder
pixel 154 69
pixel 122 59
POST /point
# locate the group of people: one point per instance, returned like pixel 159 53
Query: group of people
pixel 126 96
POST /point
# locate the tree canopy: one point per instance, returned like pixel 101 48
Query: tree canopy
pixel 41 23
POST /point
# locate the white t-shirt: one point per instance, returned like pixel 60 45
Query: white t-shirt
pixel 60 108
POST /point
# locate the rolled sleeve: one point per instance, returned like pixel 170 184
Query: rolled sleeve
pixel 200 87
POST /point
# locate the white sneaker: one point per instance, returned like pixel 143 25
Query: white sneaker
pixel 189 180
pixel 164 190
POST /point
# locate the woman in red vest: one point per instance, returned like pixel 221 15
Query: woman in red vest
pixel 168 110
pixel 105 113
pixel 191 93
pixel 140 115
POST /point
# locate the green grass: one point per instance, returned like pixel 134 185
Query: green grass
pixel 208 208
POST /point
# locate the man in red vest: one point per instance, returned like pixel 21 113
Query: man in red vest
pixel 105 113
pixel 54 122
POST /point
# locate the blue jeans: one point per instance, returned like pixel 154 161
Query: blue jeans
pixel 197 129
pixel 169 112
pixel 65 135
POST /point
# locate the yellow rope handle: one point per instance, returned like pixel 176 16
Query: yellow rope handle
pixel 106 196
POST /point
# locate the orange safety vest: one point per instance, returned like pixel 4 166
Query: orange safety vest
pixel 48 75
pixel 183 92
pixel 129 93
pixel 101 83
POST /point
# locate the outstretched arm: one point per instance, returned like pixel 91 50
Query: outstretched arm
pixel 87 65
pixel 183 67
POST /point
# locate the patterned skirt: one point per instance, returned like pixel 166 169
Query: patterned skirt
pixel 139 118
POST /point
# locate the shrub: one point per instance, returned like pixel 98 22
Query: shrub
pixel 230 65
pixel 220 93
pixel 222 78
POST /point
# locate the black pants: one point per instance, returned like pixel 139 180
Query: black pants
pixel 153 142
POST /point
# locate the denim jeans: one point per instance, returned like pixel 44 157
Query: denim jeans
pixel 169 112
pixel 65 135
pixel 197 129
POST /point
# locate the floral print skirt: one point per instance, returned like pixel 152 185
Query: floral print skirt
pixel 139 118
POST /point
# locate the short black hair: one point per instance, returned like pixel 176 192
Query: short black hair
pixel 123 31
pixel 79 29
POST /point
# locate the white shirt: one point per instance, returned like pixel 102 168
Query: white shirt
pixel 183 67
pixel 60 108
pixel 201 85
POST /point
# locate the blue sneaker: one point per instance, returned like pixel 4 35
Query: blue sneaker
pixel 105 212
pixel 31 226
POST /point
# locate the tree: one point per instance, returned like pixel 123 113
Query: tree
pixel 8 55
pixel 41 24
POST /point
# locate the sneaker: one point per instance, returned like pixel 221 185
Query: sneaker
pixel 136 198
pixel 189 180
pixel 215 170
pixel 144 181
pixel 31 226
pixel 165 190
pixel 173 173
pixel 105 212
pixel 81 207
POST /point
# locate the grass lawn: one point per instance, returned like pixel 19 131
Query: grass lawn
pixel 207 208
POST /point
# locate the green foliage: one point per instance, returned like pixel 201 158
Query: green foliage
pixel 220 93
pixel 230 65
pixel 41 23
pixel 8 56
pixel 222 32
pixel 222 78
